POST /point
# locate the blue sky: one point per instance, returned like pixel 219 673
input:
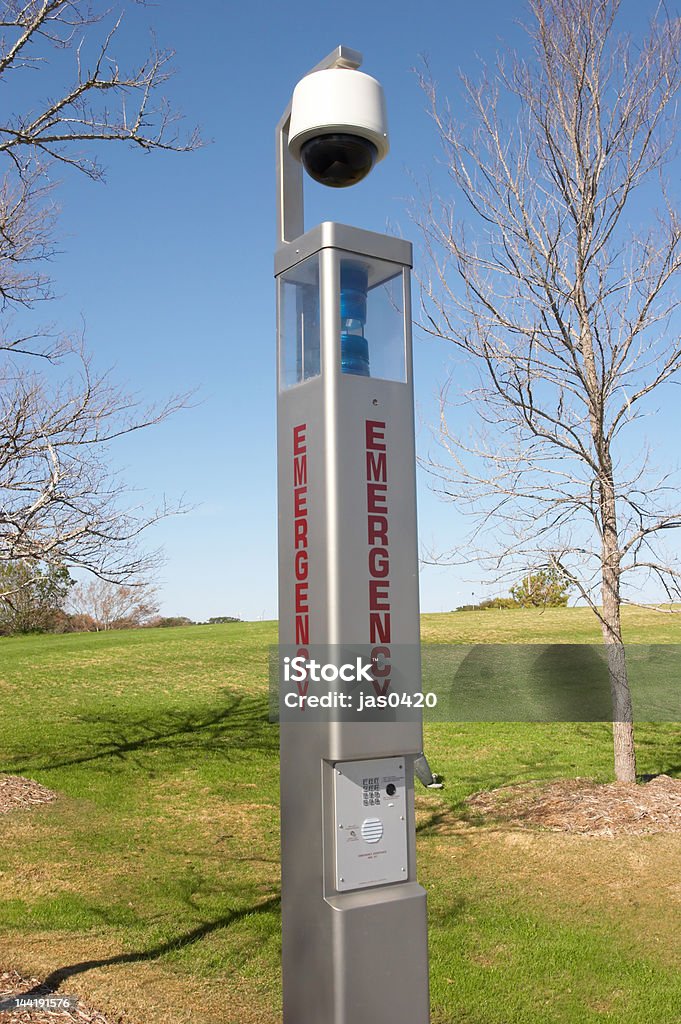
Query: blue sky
pixel 169 266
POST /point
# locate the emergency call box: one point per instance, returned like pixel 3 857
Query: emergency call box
pixel 370 823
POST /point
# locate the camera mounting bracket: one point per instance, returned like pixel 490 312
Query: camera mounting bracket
pixel 290 214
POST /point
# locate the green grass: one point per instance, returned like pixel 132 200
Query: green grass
pixel 554 625
pixel 152 885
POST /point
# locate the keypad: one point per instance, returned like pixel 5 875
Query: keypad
pixel 370 793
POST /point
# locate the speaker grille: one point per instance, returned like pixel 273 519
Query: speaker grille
pixel 372 830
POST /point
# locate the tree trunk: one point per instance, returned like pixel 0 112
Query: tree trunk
pixel 623 723
pixel 611 558
pixel 622 712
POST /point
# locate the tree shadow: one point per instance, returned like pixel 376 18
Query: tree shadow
pixel 570 683
pixel 518 683
pixel 458 811
pixel 435 818
pixel 654 673
pixel 450 913
pixel 239 722
pixel 56 978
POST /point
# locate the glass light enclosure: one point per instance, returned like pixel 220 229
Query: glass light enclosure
pixel 298 319
pixel 372 310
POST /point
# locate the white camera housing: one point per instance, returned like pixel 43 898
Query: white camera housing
pixel 339 126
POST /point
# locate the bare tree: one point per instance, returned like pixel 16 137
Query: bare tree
pixel 59 502
pixel 99 101
pixel 558 294
pixel 114 606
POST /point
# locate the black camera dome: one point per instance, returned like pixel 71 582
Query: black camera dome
pixel 337 159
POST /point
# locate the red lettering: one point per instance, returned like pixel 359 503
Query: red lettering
pixel 300 501
pixel 300 470
pixel 380 657
pixel 379 563
pixel 379 591
pixel 303 687
pixel 300 533
pixel 375 435
pixel 379 628
pixel 301 565
pixel 299 439
pixel 377 498
pixel 301 601
pixel 377 466
pixel 378 530
pixel 379 555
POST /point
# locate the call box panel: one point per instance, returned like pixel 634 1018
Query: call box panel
pixel 370 823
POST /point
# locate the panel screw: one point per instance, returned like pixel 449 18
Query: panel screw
pixel 340 826
pixel 341 879
pixel 404 869
pixel 401 817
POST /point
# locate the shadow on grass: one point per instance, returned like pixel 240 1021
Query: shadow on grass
pixel 659 759
pixel 449 913
pixel 518 682
pixel 241 722
pixel 56 978
pixel 436 819
pixel 544 767
pixel 457 814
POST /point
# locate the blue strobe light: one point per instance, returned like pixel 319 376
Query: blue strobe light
pixel 354 282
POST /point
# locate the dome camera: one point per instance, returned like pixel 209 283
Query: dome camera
pixel 339 127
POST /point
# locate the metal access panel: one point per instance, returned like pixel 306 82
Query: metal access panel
pixel 371 823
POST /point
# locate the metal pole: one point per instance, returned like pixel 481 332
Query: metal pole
pixel 354 947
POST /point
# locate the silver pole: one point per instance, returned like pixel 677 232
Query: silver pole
pixel 354 932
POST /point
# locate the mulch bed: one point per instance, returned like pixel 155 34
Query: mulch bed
pixel 17 793
pixel 12 984
pixel 586 807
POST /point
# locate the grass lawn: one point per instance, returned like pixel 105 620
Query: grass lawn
pixel 152 885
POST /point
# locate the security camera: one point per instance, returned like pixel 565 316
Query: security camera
pixel 339 127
